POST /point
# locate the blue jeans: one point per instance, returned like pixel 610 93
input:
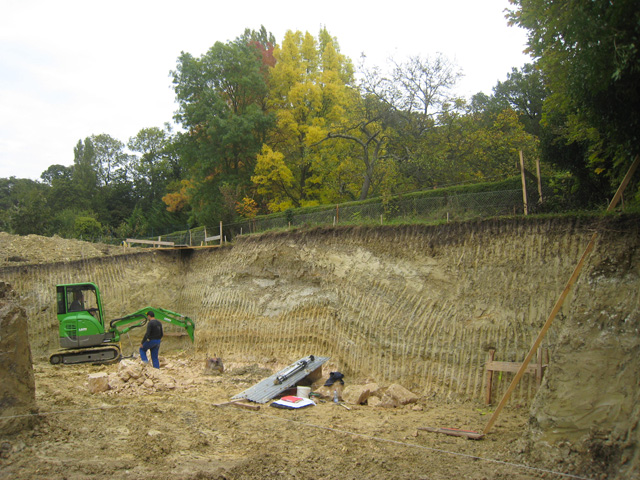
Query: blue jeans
pixel 154 346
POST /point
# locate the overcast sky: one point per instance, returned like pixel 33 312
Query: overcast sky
pixel 70 69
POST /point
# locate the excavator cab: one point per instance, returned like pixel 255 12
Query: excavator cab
pixel 80 316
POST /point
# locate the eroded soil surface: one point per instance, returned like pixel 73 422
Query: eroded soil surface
pixel 165 426
pixel 35 249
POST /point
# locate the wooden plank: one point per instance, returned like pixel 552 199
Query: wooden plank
pixel 454 432
pixel 511 367
pixel 237 403
pixel 246 406
pixel 148 242
pixel 224 404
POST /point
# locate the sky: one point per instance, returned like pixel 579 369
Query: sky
pixel 70 69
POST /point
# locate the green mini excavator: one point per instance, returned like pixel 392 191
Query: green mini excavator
pixel 84 335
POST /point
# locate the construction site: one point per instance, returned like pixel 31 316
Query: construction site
pixel 427 325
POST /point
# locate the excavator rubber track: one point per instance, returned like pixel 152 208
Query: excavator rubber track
pixel 104 354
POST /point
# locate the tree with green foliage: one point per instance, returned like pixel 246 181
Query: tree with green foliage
pixel 85 173
pixel 56 172
pixel 87 228
pixel 524 92
pixel 111 159
pixel 589 56
pixel 367 128
pixel 416 92
pixel 154 168
pixel 63 191
pixel 222 105
pixel 25 207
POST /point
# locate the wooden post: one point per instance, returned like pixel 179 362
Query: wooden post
pixel 561 299
pixel 524 184
pixel 539 179
pixel 220 233
pixel 487 400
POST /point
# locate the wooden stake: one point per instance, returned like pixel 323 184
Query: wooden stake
pixel 237 403
pixel 539 179
pixel 558 305
pixel 524 184
pixel 487 399
pixel 454 432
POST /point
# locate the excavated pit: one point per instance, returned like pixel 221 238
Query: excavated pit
pixel 416 306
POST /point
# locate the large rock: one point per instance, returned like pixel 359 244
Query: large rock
pixel 359 394
pixel 98 382
pixel 388 401
pixel 17 388
pixel 401 395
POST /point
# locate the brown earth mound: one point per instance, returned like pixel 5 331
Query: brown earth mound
pixel 19 250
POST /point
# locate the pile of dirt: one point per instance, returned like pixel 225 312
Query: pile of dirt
pixel 29 249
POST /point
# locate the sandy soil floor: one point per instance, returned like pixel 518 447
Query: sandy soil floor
pixel 164 425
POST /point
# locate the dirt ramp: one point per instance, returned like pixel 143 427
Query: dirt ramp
pixel 17 388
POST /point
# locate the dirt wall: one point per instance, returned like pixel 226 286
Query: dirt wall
pixel 419 306
pixel 17 387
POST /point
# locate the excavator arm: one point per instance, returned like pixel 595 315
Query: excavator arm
pixel 137 319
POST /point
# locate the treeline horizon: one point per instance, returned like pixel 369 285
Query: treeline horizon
pixel 268 127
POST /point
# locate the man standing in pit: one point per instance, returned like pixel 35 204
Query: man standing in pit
pixel 151 340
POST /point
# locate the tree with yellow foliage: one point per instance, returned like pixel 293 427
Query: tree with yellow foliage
pixel 310 90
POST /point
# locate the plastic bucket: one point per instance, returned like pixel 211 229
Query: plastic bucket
pixel 304 392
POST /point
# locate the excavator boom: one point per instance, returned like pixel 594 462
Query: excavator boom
pixel 137 319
